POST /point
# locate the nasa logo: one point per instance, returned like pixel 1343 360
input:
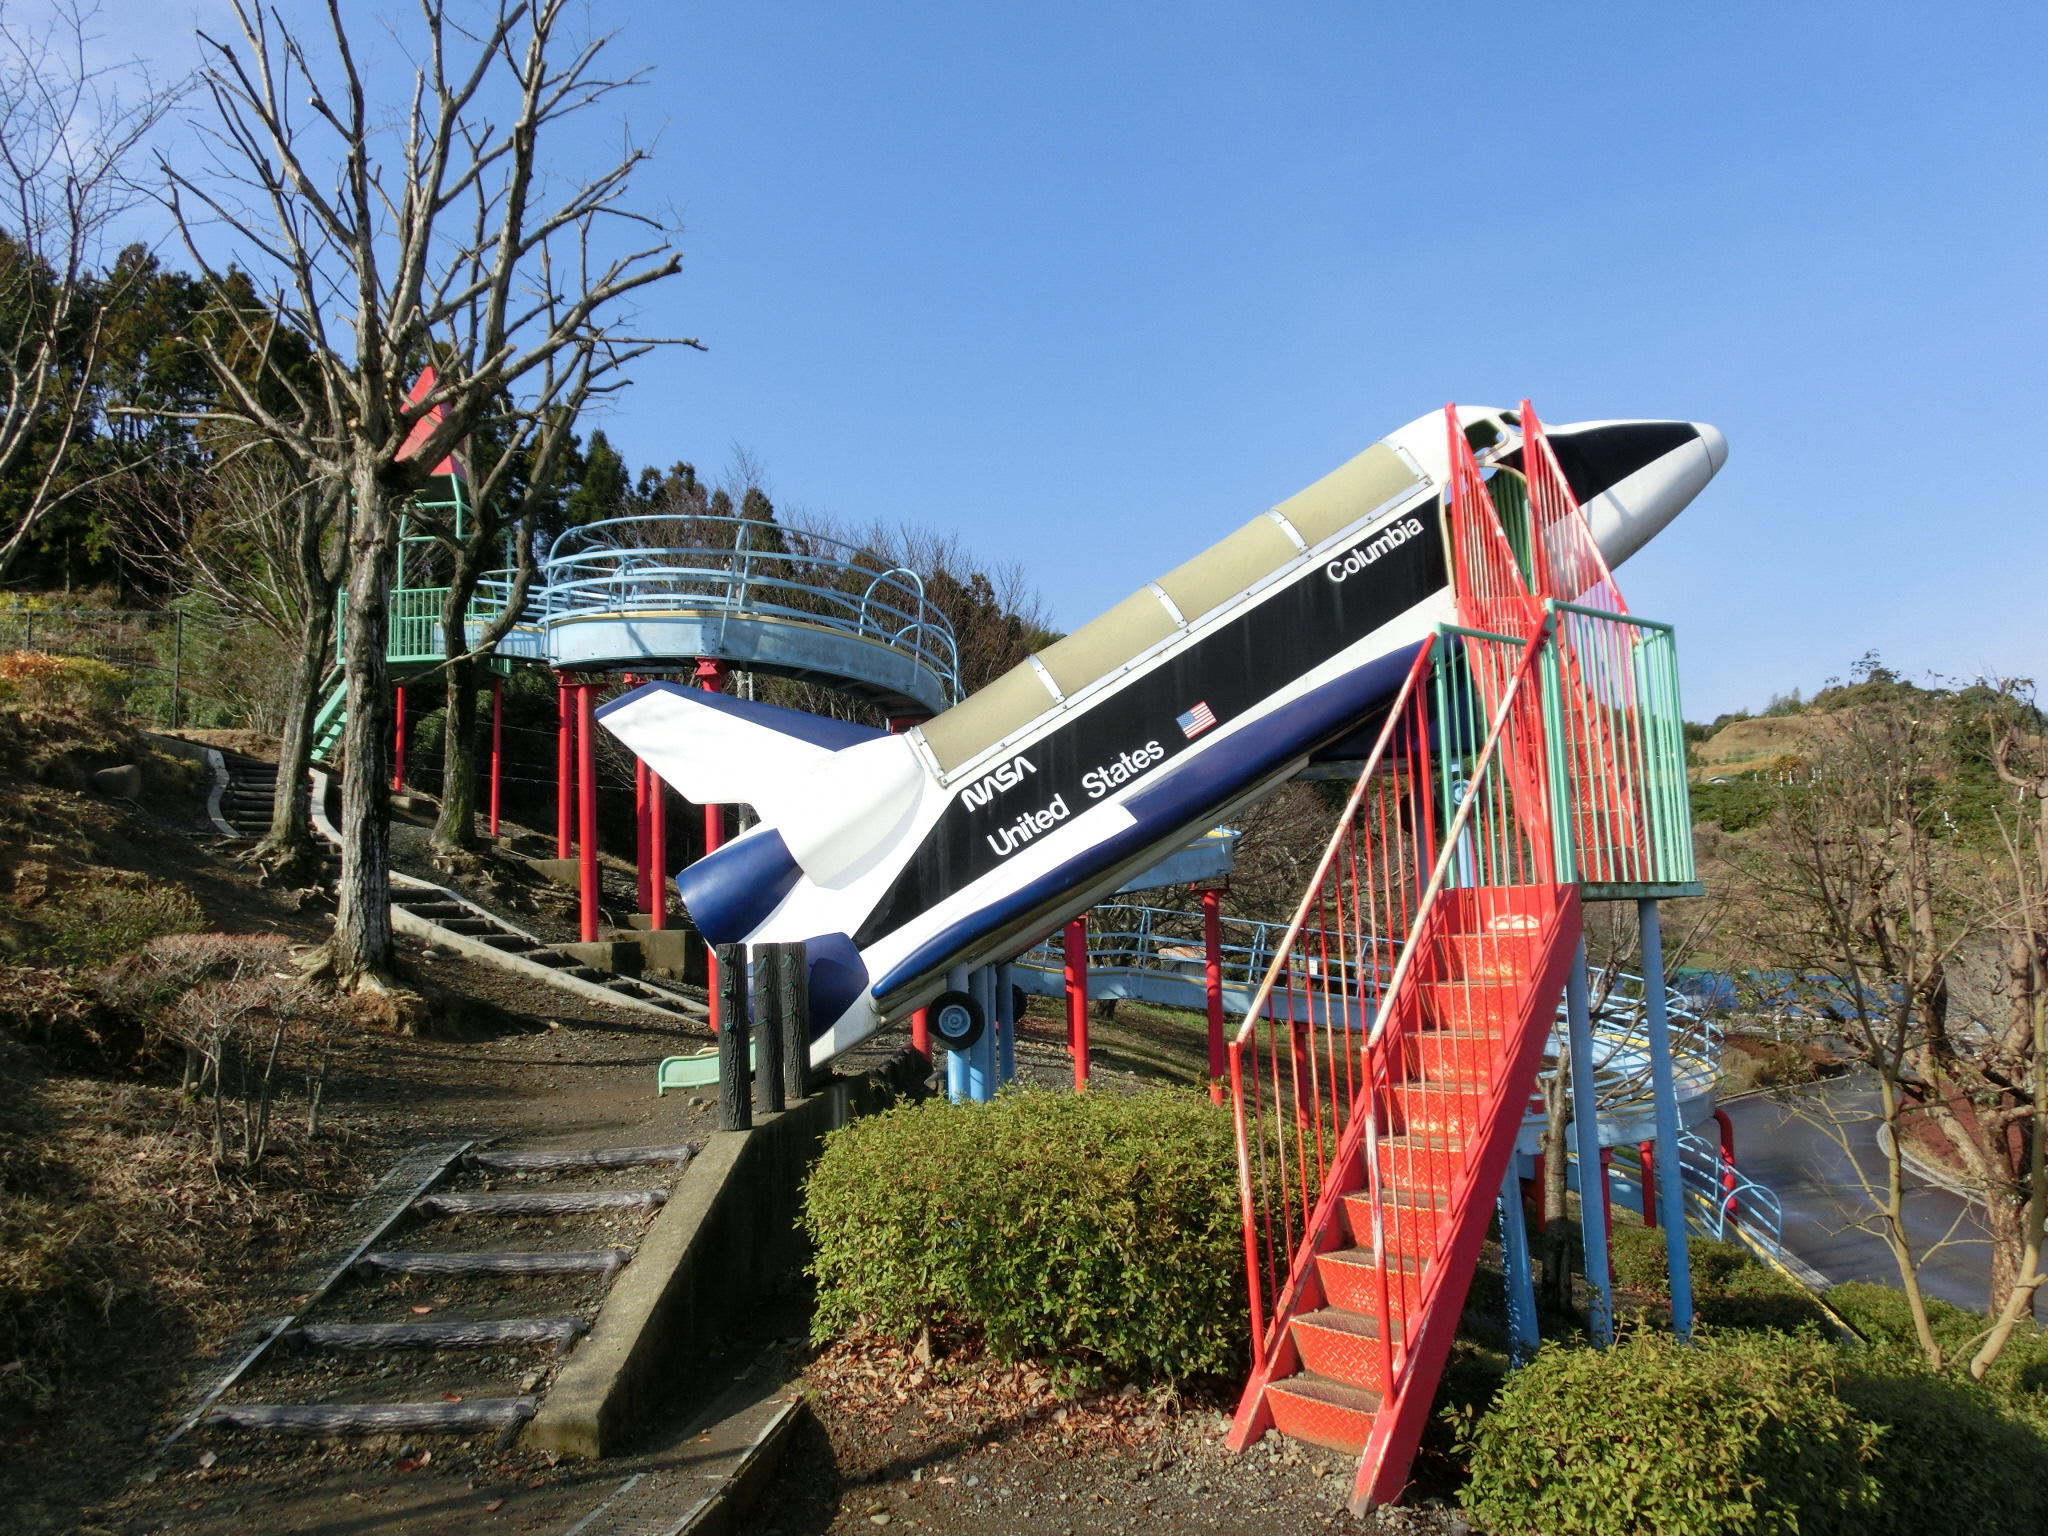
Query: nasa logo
pixel 1001 780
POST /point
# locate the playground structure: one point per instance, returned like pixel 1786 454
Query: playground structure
pixel 1440 615
pixel 1381 1079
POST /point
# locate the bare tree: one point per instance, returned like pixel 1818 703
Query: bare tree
pixel 267 549
pixel 510 503
pixel 1853 907
pixel 69 131
pixel 1991 1100
pixel 422 231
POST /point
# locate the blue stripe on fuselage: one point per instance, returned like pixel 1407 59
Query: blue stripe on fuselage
pixel 1183 796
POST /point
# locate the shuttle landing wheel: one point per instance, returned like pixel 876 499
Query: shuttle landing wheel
pixel 956 1020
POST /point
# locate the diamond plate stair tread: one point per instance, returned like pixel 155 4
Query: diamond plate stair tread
pixel 1340 1345
pixel 1340 1320
pixel 1333 1414
pixel 1407 1197
pixel 1364 1258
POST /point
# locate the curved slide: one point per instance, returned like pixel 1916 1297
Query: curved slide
pixel 966 840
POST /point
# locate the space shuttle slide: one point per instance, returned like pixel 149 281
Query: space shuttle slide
pixel 966 840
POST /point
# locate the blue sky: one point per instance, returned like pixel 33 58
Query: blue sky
pixel 1092 284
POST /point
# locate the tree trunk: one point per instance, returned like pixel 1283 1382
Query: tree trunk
pixel 2005 1216
pixel 288 846
pixel 362 925
pixel 455 826
pixel 1557 1235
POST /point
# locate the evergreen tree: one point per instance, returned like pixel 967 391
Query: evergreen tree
pixel 602 491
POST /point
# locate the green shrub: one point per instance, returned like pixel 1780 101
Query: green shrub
pixel 1881 1315
pixel 1737 1432
pixel 30 680
pixel 1952 1456
pixel 93 923
pixel 1090 1230
pixel 1731 1287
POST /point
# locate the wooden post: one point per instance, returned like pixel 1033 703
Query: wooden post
pixel 796 1021
pixel 735 1102
pixel 767 1029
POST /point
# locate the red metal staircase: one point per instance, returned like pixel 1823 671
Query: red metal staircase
pixel 1384 1068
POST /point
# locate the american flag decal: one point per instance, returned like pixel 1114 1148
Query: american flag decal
pixel 1195 721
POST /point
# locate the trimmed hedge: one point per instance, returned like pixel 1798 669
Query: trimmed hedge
pixel 1731 1289
pixel 1755 1432
pixel 1090 1230
pixel 1881 1315
pixel 1737 1432
pixel 1954 1456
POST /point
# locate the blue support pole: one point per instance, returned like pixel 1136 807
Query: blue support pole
pixel 1006 1017
pixel 981 1056
pixel 1664 1085
pixel 956 1061
pixel 1514 1247
pixel 1586 1149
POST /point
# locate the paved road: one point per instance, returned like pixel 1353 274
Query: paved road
pixel 1792 1151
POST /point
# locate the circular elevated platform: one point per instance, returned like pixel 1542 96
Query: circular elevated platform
pixel 653 594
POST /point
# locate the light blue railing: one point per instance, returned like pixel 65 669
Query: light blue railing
pixel 1134 938
pixel 1137 939
pixel 741 566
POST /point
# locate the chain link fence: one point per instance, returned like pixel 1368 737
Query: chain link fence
pixel 147 647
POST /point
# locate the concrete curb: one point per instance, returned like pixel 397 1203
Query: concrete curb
pixel 178 746
pixel 726 1238
pixel 417 927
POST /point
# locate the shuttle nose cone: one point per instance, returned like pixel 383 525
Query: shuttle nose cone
pixel 1716 446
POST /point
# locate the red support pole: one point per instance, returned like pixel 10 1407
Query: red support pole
pixel 711 678
pixel 643 838
pixel 497 745
pixel 586 810
pixel 565 765
pixel 657 848
pixel 1727 1160
pixel 398 753
pixel 1212 945
pixel 920 1020
pixel 1077 999
pixel 1606 1206
pixel 1647 1151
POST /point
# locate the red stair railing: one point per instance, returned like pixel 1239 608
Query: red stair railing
pixel 1349 1115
